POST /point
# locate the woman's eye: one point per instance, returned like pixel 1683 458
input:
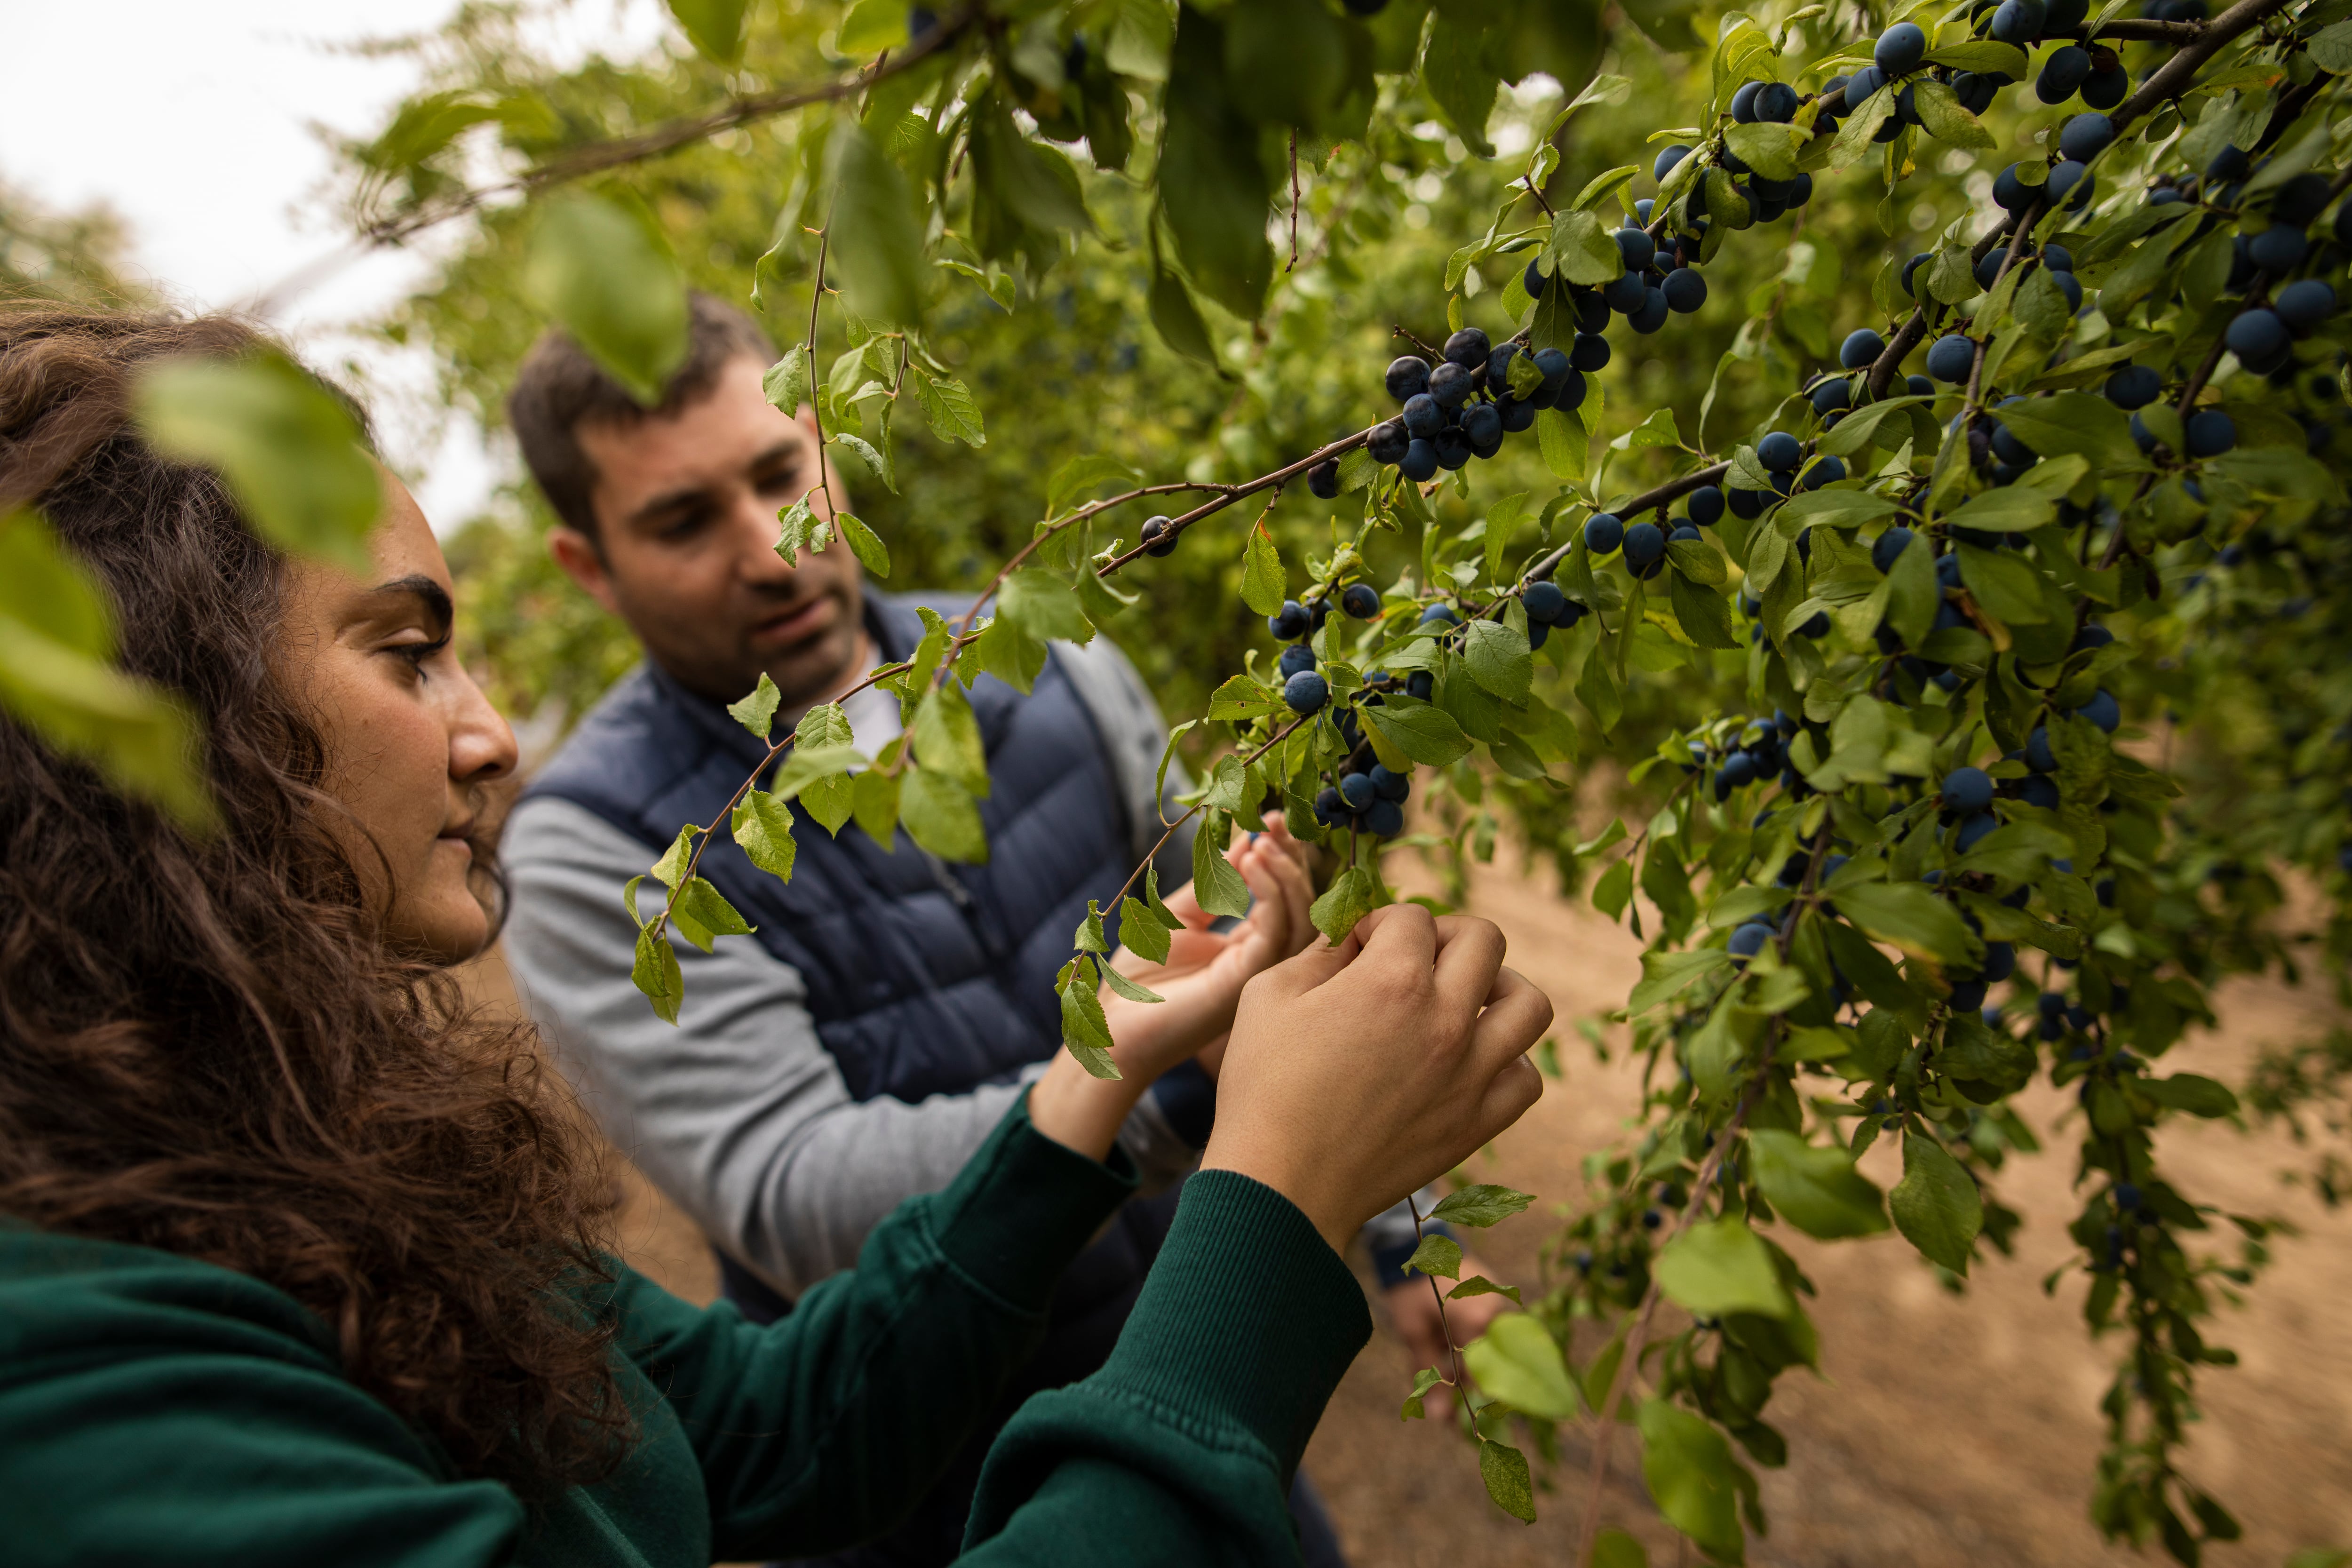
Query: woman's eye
pixel 416 653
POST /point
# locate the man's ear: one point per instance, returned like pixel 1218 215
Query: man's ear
pixel 582 561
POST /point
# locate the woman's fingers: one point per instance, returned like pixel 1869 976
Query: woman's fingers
pixel 1510 1096
pixel 1468 959
pixel 1516 1016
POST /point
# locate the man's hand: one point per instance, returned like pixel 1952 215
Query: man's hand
pixel 1412 1313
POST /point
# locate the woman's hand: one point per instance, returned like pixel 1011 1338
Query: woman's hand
pixel 1360 1072
pixel 1200 985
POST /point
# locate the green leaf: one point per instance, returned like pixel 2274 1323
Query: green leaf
pixel 1693 1478
pixel 1602 186
pixel 1702 613
pixel 1849 509
pixel 948 407
pixel 798 530
pixel 2071 422
pixel 1721 1265
pixel 1581 251
pixel 1479 1285
pixel 874 801
pixel 1178 319
pixel 714 26
pixel 1480 1204
pixel 871 26
pixel 1347 900
pixel 671 870
pixel 1129 988
pixel 786 384
pixel 940 816
pixel 1088 471
pixel 1425 1380
pixel 1085 1030
pixel 1855 136
pixel 1498 659
pixel 1665 974
pixel 1942 113
pixel 873 456
pixel 604 272
pixel 1615 889
pixel 1265 585
pixel 1815 1189
pixel 1426 734
pixel 656 973
pixel 1936 1206
pixel 1216 886
pixel 2189 1091
pixel 763 826
pixel 1910 916
pixel 702 913
pixel 874 236
pixel 1615 1549
pixel 2331 51
pixel 1436 1255
pixel 1519 1362
pixel 1455 71
pixel 946 736
pixel 1768 148
pixel 288 450
pixel 1983 55
pixel 863 543
pixel 1564 445
pixel 1140 933
pixel 1043 607
pixel 2003 583
pixel 1913 593
pixel 1505 1471
pixel 1214 185
pixel 757 713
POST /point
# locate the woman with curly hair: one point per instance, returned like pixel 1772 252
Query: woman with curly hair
pixel 302 1262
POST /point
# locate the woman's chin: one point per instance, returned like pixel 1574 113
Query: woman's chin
pixel 446 932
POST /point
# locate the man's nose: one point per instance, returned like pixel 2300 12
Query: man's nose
pixel 756 531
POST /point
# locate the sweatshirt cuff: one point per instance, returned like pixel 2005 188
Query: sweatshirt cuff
pixel 1248 1319
pixel 1023 1206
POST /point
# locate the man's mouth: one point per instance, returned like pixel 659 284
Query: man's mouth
pixel 791 623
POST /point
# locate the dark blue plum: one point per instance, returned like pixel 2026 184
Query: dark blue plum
pixel 1355 789
pixel 1289 623
pixel 1967 790
pixel 1360 600
pixel 1450 386
pixel 1900 49
pixel 1951 358
pixel 2063 74
pixel 2278 248
pixel 2101 710
pixel 1862 347
pixel 1747 941
pixel 1543 602
pixel 1706 506
pixel 1685 292
pixel 1890 546
pixel 2256 334
pixel 1645 544
pixel 1780 451
pixel 1666 160
pixel 2134 386
pixel 1295 658
pixel 1388 441
pixel 1604 532
pixel 2085 136
pixel 1407 376
pixel 1591 351
pixel 2210 433
pixel 1419 463
pixel 1468 348
pixel 1306 691
pixel 1422 419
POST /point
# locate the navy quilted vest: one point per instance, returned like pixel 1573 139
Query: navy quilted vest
pixel 923 978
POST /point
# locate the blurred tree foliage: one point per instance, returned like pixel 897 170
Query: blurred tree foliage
pixel 75 257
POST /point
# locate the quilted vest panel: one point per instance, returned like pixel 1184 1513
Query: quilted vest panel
pixel 923 978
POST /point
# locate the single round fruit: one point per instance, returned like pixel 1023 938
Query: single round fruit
pixel 1421 685
pixel 2010 192
pixel 1636 247
pixel 1910 271
pixel 1571 392
pixel 1967 790
pixel 1685 292
pixel 1645 542
pixel 1890 546
pixel 1825 472
pixel 2016 22
pixel 1776 103
pixel 1532 281
pixel 2210 433
pixel 2058 258
pixel 1157 539
pixel 1779 452
pixel 1483 423
pixel 1951 358
pixel 1407 376
pixel 1323 478
pixel 2106 89
pixel 1627 294
pixel 2278 248
pixel 1743 102
pixel 1971 833
pixel 2070 183
pixel 2304 304
pixel 1517 414
pixel 1306 691
pixel 1747 941
pixel 2134 386
pixel 1295 658
pixel 1453 446
pixel 1498 368
pixel 1653 313
pixel 1423 419
pixel 1666 162
pixel 1863 86
pixel 1419 463
pixel 1604 532
pixel 1918 386
pixel 1832 396
pixel 1289 623
pixel 1555 365
pixel 1387 785
pixel 1746 505
pixel 1900 49
pixel 1440 615
pixel 2101 710
pixel 1385 820
pixel 1543 602
pixel 1450 386
pixel 2256 334
pixel 1590 350
pixel 1862 347
pixel 2085 136
pixel 1355 789
pixel 1468 348
pixel 1360 600
pixel 1706 506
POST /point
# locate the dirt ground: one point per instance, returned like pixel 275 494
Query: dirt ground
pixel 1942 1430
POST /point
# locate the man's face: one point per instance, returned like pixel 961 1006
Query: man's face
pixel 686 511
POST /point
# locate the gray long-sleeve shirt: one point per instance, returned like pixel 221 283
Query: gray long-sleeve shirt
pixel 739 1113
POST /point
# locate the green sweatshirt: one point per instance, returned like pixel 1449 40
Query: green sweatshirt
pixel 155 1410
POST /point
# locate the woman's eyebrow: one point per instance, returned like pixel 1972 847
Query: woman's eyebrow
pixel 425 591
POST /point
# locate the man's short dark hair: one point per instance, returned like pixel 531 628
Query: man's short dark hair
pixel 561 388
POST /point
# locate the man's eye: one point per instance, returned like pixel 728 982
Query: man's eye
pixel 685 525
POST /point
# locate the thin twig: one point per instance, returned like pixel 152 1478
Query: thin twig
pixel 1444 1324
pixel 1294 201
pixel 816 413
pixel 1696 479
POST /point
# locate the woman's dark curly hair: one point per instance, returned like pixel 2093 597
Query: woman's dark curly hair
pixel 204 1046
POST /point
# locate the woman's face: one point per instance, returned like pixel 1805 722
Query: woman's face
pixel 412 745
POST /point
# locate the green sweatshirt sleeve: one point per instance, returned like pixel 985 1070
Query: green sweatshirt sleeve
pixel 826 1427
pixel 1180 1451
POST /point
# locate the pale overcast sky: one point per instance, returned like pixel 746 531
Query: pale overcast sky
pixel 193 122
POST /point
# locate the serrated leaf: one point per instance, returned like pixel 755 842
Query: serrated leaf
pixel 1702 613
pixel 940 815
pixel 656 973
pixel 1480 1204
pixel 1085 1030
pixel 1766 147
pixel 946 736
pixel 786 384
pixel 702 913
pixel 1666 974
pixel 1936 1206
pixel 1346 900
pixel 1437 1255
pixel 1911 917
pixel 1693 1478
pixel 1424 733
pixel 2189 1092
pixel 1944 116
pixel 2004 583
pixel 1505 1471
pixel 763 826
pixel 1264 584
pixel 1857 132
pixel 948 407
pixel 1479 1285
pixel 1216 886
pixel 874 801
pixel 757 713
pixel 1140 933
pixel 1043 607
pixel 1581 251
pixel 868 453
pixel 1425 1380
pixel 1498 659
pixel 863 543
pixel 1129 988
pixel 797 529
